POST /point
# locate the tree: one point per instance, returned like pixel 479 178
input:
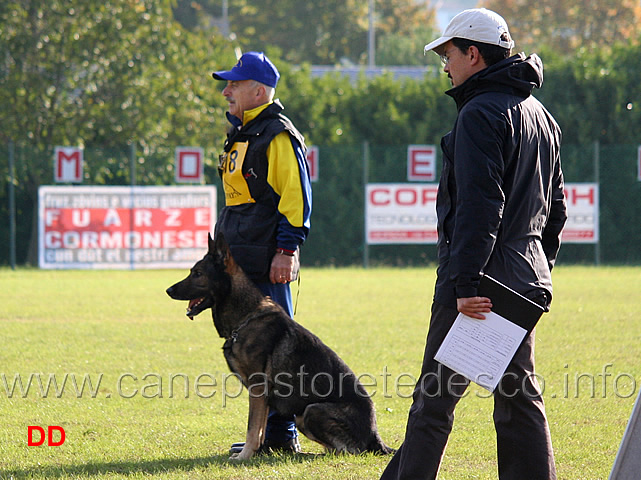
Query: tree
pixel 107 74
pixel 568 25
pixel 328 32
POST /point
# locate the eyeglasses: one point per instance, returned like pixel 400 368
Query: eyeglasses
pixel 444 59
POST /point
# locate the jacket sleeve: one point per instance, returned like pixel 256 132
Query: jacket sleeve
pixel 478 168
pixel 551 236
pixel 288 175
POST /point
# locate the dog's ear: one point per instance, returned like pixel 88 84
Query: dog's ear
pixel 211 244
pixel 221 250
pixel 219 245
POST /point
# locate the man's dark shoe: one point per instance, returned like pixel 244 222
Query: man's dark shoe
pixel 270 448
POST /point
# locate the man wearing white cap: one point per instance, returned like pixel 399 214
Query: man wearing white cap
pixel 500 209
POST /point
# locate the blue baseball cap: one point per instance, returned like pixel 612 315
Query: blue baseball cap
pixel 251 66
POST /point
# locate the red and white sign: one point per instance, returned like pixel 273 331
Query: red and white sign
pixel 583 213
pixel 421 163
pixel 400 213
pixel 124 227
pixel 406 213
pixel 67 165
pixel 189 165
pixel 312 161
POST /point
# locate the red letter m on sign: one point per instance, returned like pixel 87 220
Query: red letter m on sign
pixel 68 164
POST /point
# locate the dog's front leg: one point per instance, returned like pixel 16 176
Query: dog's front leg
pixel 256 424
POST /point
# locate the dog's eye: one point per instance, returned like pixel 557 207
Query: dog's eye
pixel 196 274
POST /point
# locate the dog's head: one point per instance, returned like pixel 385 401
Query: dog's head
pixel 208 279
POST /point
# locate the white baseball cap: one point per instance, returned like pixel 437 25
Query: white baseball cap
pixel 477 24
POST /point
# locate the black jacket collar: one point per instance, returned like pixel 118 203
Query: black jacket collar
pixel 516 75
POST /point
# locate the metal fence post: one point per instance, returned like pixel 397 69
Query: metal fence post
pixel 132 163
pixel 597 162
pixel 132 180
pixel 365 180
pixel 12 207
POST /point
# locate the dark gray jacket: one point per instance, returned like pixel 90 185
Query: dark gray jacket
pixel 500 205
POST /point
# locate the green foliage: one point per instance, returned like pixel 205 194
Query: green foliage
pixel 328 32
pixel 106 74
pixel 569 25
pixel 406 49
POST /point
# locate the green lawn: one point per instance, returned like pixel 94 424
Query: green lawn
pixel 162 404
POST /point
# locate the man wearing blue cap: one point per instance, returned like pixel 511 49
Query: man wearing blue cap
pixel 268 198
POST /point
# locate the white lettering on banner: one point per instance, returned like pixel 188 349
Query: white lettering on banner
pixel 124 227
pixel 582 225
pixel 401 213
pixel 80 218
pixel 201 217
pixel 142 218
pixel 112 218
pixel 51 217
pixel 406 213
pixel 173 216
pixel 108 240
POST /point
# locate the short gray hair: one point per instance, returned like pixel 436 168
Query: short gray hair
pixel 269 91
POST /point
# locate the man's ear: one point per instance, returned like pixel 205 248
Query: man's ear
pixel 261 92
pixel 475 56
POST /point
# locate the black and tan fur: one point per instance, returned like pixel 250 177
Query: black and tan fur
pixel 283 365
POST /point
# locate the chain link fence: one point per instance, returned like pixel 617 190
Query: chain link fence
pixel 338 218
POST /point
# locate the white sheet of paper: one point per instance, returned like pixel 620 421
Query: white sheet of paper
pixel 481 350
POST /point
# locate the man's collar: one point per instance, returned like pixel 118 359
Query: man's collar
pixel 248 115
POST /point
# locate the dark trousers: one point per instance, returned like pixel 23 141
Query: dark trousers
pixel 280 429
pixel 523 437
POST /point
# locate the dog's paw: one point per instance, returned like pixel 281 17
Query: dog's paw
pixel 245 454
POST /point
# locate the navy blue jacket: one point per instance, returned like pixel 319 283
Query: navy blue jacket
pixel 500 203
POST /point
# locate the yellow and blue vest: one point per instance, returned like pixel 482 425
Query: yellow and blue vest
pixel 267 188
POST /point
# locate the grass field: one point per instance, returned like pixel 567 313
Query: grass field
pixel 161 403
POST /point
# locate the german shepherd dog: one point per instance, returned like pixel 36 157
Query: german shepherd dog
pixel 283 365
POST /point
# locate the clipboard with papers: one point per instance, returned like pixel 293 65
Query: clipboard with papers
pixel 481 350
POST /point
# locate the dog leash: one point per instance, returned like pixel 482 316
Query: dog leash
pixel 233 336
pixel 297 293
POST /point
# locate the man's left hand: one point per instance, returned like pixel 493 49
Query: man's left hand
pixel 282 269
pixel 474 307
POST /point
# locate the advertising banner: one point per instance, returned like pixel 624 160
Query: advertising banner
pixel 124 227
pixel 583 213
pixel 400 213
pixel 404 213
